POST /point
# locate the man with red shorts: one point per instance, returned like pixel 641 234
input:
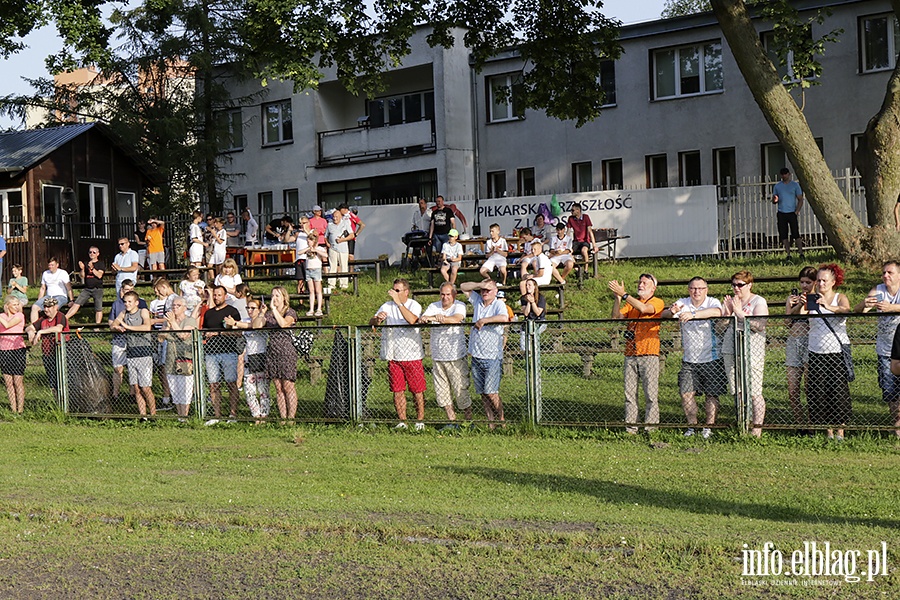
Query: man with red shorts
pixel 402 348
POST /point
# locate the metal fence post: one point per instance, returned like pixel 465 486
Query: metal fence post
pixel 532 373
pixel 354 372
pixel 199 372
pixel 61 374
pixel 742 384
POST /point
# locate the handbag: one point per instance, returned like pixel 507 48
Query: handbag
pixel 303 339
pixel 184 366
pixel 846 353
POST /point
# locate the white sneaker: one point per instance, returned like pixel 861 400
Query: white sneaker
pixel 401 425
pixel 689 432
pixel 212 422
pixel 420 426
pixel 231 421
pixel 706 433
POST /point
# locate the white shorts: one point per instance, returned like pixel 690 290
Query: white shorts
pixel 140 371
pixel 494 261
pixel 196 253
pixel 562 258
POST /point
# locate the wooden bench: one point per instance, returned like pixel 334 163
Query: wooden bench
pixel 370 262
pixel 353 276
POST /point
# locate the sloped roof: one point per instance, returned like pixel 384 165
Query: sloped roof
pixel 21 150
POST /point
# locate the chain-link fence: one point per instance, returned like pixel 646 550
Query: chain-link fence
pixel 774 372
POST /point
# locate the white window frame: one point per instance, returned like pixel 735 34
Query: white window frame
pixel 493 178
pixel 8 233
pixel 99 219
pixel 291 201
pixel 521 181
pixel 607 102
pixel 726 188
pixel 683 158
pixel 278 109
pixel 650 161
pixel 54 218
pixel 231 130
pixel 582 176
pixel 608 166
pixel 676 69
pixel 494 82
pixel 771 168
pixel 893 43
pixel 132 217
pixel 266 204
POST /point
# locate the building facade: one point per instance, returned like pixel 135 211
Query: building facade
pixel 678 113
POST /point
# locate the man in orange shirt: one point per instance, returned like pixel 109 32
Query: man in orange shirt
pixel 641 347
pixel 156 252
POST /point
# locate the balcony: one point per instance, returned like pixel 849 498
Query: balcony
pixel 364 143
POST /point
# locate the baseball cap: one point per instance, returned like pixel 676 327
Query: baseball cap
pixel 50 301
pixel 454 233
pixel 317 207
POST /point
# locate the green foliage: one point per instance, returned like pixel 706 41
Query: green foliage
pixel 683 8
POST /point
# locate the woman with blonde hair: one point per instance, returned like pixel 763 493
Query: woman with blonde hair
pixel 12 352
pixel 281 357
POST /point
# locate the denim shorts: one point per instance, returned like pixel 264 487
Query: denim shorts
pixel 486 372
pixel 314 274
pixel 221 367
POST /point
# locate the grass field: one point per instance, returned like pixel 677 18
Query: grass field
pixel 153 511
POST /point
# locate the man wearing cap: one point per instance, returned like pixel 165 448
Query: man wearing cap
pixel 451 257
pixel 251 228
pixel 641 346
pixel 788 197
pixel 45 328
pixel 318 222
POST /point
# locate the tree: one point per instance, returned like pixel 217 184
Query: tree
pixel 682 8
pixel 880 157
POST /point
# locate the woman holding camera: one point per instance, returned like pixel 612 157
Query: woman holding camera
pixel 828 387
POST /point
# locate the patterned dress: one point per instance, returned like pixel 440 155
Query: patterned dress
pixel 281 356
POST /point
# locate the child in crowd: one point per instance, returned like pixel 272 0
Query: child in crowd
pixel 495 249
pixel 451 257
pixel 219 239
pixel 315 254
pixel 229 278
pixel 561 253
pixel 527 239
pixel 191 288
pixel 159 308
pixel 18 285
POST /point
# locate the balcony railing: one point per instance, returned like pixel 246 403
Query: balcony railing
pixel 363 143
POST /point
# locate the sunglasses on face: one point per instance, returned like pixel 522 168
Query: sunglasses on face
pixel 738 284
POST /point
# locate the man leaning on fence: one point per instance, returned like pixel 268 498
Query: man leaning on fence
pixel 486 341
pixel 448 353
pixel 402 348
pixel 641 346
pixel 702 369
pixel 885 298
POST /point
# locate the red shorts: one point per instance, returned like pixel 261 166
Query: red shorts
pixel 406 372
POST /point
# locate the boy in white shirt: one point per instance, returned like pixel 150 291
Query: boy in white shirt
pixel 495 249
pixel 527 239
pixel 561 253
pixel 451 257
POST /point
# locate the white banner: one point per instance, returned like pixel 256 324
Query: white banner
pixel 660 222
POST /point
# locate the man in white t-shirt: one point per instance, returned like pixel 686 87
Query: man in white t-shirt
pixel 561 253
pixel 54 284
pixel 300 238
pixel 448 353
pixel 125 264
pixel 702 369
pixel 402 348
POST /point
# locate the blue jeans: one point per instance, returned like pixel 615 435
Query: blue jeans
pixel 887 381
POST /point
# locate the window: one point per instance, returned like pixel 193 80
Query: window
pixel 292 201
pixel 496 183
pixel 51 201
pixel 13 213
pixel 93 206
pixel 405 108
pixel 503 102
pixel 265 204
pixel 657 171
pixel 582 178
pixel 240 203
pixel 786 71
pixel 126 206
pixel 608 82
pixel 612 174
pixel 688 71
pixel 879 36
pixel 725 171
pixel 278 128
pixel 689 168
pixel 774 158
pixel 230 130
pixel 525 182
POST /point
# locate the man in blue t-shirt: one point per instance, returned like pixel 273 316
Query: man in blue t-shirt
pixel 788 197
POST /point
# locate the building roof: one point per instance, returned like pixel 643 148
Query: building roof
pixel 21 150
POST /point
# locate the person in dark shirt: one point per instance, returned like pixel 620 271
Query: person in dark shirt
pixel 442 221
pixel 49 323
pixel 276 228
pixel 92 276
pixel 221 353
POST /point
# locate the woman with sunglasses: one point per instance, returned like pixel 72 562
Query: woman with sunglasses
pixel 744 303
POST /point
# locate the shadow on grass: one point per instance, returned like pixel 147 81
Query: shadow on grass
pixel 616 493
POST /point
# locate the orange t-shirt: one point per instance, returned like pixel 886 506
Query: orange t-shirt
pixel 646 335
pixel 154 239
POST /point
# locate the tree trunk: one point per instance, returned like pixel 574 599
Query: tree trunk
pixel 844 230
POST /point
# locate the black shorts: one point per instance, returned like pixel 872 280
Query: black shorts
pixel 300 270
pixel 88 293
pixel 786 220
pixel 12 362
pixel 577 246
pixel 351 244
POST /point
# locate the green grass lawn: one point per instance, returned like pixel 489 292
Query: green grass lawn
pixel 157 511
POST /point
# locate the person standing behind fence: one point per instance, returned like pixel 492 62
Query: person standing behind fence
pixel 13 352
pixel 140 242
pixel 256 385
pixel 402 348
pixel 486 342
pixel 92 276
pixel 788 196
pixel 300 238
pixel 125 264
pixel 179 368
pixel 744 304
pixel 641 347
pixel 281 356
pixel 828 390
pixel 356 227
pixel 448 353
pixel 442 221
pixel 18 285
pixel 119 359
pixel 885 298
pixel 55 283
pixel 702 371
pixel 198 244
pixel 192 288
pixel 156 249
pixel 315 255
pixel 251 228
pixel 138 350
pixel 796 346
pixel 221 353
pixel 159 308
pixel 45 329
pixel 338 234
